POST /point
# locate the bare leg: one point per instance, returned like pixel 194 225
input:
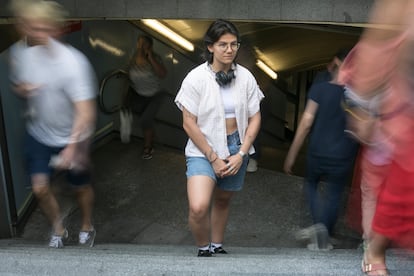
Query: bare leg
pixel 375 253
pixel 85 197
pixel 220 214
pixel 200 190
pixel 372 179
pixel 47 202
pixel 148 137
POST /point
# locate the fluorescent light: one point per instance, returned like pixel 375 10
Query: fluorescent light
pixel 157 26
pixel 96 42
pixel 266 69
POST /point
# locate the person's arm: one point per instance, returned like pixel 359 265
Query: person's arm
pixel 251 132
pixel 84 121
pixel 82 131
pixel 194 133
pixel 19 87
pixel 158 66
pixel 304 127
pixel 235 161
pixel 25 90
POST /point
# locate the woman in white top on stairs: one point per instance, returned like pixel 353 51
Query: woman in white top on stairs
pixel 220 101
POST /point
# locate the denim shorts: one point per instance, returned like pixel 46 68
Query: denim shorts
pixel 201 166
pixel 38 157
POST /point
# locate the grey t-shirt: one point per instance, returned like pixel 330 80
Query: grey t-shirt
pixel 63 76
pixel 144 80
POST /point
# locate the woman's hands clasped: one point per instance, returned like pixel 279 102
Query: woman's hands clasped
pixel 229 166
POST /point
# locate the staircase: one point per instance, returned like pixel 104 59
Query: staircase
pixel 141 216
pixel 18 258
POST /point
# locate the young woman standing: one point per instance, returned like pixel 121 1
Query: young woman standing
pixel 220 101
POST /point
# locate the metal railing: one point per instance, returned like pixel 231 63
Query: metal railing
pixel 119 73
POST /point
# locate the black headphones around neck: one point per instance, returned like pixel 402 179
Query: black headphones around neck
pixel 223 79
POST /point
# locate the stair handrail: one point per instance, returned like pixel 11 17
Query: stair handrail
pixel 117 73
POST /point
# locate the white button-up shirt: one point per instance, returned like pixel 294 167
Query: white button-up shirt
pixel 200 95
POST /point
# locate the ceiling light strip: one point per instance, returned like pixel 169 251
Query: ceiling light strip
pixel 160 28
pixel 266 69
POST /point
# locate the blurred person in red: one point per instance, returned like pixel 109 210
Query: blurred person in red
pixel 58 85
pixel 378 74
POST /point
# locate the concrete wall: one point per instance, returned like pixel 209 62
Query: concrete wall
pixel 342 11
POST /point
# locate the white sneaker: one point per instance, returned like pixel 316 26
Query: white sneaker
pixel 87 237
pixel 56 241
pixel 319 238
pixel 305 233
pixel 315 247
pixel 126 125
pixel 252 165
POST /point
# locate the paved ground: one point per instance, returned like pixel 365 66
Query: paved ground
pixel 141 222
pixel 145 202
pixel 127 259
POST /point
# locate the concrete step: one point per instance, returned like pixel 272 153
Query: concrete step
pixel 22 258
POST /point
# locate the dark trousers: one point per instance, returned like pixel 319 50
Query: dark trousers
pixel 146 107
pixel 324 185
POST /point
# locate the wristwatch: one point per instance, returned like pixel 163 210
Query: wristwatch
pixel 242 154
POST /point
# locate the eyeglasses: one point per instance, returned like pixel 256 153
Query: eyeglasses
pixel 223 46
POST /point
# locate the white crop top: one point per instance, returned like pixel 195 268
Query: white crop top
pixel 228 102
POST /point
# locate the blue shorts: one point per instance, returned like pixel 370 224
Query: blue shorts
pixel 38 157
pixel 201 166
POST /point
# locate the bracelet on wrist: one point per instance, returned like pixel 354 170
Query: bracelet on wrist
pixel 214 160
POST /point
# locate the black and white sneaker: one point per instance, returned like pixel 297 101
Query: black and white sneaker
pixel 218 250
pixel 204 253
